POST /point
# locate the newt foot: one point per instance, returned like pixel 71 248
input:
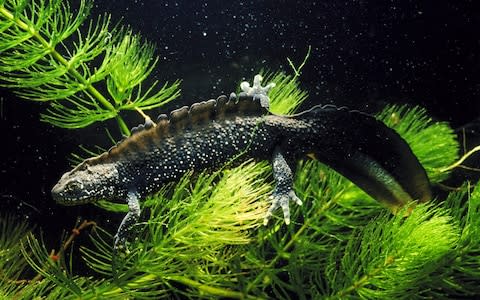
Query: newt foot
pixel 281 199
pixel 257 90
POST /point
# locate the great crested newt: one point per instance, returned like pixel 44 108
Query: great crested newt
pixel 209 134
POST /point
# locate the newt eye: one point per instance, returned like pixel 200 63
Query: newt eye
pixel 74 185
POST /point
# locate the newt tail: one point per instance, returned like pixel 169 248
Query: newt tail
pixel 209 134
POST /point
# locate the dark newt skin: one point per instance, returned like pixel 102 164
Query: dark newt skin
pixel 210 134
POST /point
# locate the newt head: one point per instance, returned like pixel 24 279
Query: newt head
pixel 85 184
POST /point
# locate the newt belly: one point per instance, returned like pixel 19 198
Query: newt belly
pixel 210 134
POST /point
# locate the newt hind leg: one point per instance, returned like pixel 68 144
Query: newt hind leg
pixel 283 192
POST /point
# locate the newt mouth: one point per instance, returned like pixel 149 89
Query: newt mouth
pixel 57 194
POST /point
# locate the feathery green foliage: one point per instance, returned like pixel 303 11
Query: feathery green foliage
pixel 286 96
pixel 11 233
pixel 46 55
pixel 202 237
pixel 391 257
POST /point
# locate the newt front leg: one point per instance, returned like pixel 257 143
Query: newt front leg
pixel 128 222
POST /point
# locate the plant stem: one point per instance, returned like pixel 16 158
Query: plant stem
pixel 122 125
pixel 461 160
pixel 298 70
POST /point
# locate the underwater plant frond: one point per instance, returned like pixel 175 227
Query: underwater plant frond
pixel 31 39
pixel 47 57
pixel 11 265
pixel 286 96
pixel 190 231
pixel 134 61
pixel 38 258
pixel 226 214
pixel 460 274
pixel 152 97
pixel 79 113
pixel 406 251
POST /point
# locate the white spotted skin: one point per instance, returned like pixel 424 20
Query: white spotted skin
pixel 202 148
pixel 211 146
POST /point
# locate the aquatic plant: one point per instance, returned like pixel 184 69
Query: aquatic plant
pixel 202 237
pixel 86 76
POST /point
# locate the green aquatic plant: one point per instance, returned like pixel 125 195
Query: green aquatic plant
pixel 11 267
pixel 202 237
pixel 86 75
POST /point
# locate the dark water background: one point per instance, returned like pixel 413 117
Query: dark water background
pixel 365 54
